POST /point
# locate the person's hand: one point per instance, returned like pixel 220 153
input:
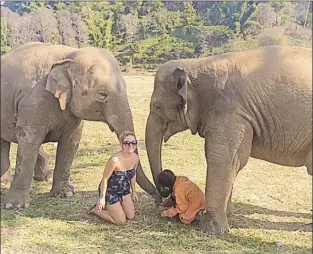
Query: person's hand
pixel 100 205
pixel 163 213
pixel 162 208
pixel 168 202
pixel 134 197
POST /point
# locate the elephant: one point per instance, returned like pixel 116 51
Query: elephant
pixel 46 92
pixel 42 171
pixel 253 103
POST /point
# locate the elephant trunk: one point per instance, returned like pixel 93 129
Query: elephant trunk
pixel 125 122
pixel 154 138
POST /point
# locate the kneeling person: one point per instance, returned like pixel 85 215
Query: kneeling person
pixel 189 199
pixel 117 189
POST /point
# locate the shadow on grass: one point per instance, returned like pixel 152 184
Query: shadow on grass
pixel 76 207
pixel 246 209
pixel 149 223
pixel 239 219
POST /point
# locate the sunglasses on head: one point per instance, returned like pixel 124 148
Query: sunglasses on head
pixel 128 143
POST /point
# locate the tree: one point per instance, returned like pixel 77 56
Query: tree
pixel 130 26
pixel 4 41
pixel 283 11
pixel 307 14
pixel 149 6
pixel 149 32
pixel 190 16
pixel 21 29
pixel 81 30
pixel 265 15
pixel 65 28
pixel 45 26
pixel 100 24
pixel 301 13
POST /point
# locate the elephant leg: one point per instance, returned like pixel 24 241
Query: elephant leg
pixel 66 151
pixel 227 151
pixel 6 174
pixel 42 172
pixel 308 163
pixel 230 205
pixel 29 140
pixel 146 185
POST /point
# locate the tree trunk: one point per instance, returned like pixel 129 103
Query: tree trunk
pixel 307 14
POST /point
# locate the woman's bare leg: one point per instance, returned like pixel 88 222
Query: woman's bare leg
pixel 128 207
pixel 113 214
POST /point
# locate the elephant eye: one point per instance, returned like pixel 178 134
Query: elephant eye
pixel 102 95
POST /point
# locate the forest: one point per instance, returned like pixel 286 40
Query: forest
pixel 143 34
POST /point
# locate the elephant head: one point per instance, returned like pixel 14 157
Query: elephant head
pixel 89 84
pixel 171 110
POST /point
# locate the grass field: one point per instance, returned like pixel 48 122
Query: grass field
pixel 272 203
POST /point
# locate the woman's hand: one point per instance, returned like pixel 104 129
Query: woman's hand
pixel 100 205
pixel 163 213
pixel 134 197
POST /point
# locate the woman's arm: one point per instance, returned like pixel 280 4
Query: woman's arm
pixel 133 183
pixel 133 180
pixel 109 168
pixel 181 202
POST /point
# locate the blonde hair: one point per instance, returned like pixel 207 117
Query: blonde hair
pixel 126 134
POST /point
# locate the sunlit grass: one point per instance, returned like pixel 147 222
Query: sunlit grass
pixel 272 202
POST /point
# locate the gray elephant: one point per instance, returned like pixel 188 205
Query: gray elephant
pixel 254 103
pixel 45 92
pixel 42 171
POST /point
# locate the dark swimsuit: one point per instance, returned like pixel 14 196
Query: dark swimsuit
pixel 118 185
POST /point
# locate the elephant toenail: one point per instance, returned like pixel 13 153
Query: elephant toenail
pixel 8 206
pixel 69 194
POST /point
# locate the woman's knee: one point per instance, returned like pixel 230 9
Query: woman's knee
pixel 117 213
pixel 120 221
pixel 130 216
pixel 128 207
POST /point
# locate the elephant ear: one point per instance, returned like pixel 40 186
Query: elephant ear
pixel 182 85
pixel 59 82
pixel 220 76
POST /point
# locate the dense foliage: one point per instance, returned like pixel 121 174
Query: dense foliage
pixel 144 33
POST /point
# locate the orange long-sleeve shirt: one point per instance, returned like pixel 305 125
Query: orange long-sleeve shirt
pixel 189 200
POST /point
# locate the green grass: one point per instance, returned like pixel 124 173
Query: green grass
pixel 272 202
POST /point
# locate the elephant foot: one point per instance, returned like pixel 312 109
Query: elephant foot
pixel 214 224
pixel 157 198
pixel 43 175
pixel 16 199
pixel 6 178
pixel 65 191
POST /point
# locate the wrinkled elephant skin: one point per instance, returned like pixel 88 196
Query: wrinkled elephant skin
pixel 254 103
pixel 46 90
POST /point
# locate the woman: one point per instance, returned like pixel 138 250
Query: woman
pixel 119 177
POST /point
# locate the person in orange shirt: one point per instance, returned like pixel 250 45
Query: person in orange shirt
pixel 189 199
